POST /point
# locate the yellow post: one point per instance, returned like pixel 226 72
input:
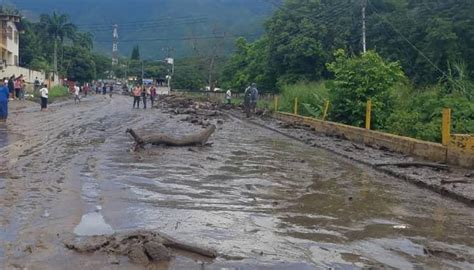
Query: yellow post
pixel 296 106
pixel 446 126
pixel 326 108
pixel 368 114
pixel 276 103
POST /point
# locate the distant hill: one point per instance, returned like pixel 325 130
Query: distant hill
pixel 156 25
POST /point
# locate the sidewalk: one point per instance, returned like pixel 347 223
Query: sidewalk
pixel 455 183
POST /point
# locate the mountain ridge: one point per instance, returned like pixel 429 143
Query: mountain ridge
pixel 159 27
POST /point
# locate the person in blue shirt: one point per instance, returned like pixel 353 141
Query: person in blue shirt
pixel 4 95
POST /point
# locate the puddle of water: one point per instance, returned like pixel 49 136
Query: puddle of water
pixel 7 137
pixel 93 224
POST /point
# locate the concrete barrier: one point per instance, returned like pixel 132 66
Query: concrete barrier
pixel 461 150
pixel 435 152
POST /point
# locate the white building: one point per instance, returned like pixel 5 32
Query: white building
pixel 10 51
pixel 9 40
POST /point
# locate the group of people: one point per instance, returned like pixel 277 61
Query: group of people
pixel 14 88
pixel 99 88
pixel 142 93
pixel 103 87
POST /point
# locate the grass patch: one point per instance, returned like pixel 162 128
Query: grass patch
pixel 311 98
pixel 58 91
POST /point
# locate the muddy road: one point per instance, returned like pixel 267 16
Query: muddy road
pixel 261 200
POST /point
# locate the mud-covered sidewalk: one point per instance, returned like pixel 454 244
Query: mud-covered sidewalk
pixel 259 198
pixel 454 182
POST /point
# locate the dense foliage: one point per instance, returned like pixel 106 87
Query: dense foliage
pixel 358 79
pixel 425 36
pixel 54 45
pixel 431 42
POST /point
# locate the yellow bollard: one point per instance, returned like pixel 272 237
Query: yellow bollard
pixel 326 108
pixel 296 106
pixel 276 103
pixel 446 126
pixel 368 114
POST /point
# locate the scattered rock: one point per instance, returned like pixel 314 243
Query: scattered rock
pixel 157 251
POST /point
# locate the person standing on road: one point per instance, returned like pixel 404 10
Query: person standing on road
pixel 153 95
pixel 251 99
pixel 104 89
pixel 254 96
pixel 144 96
pixel 86 89
pixel 247 94
pixel 111 90
pixel 36 85
pixel 17 85
pixel 11 87
pixel 4 96
pixel 44 98
pixel 77 98
pixel 137 92
pixel 228 97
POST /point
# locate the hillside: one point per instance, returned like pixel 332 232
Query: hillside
pixel 156 25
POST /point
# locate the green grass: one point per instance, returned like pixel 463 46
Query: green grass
pixel 311 98
pixel 58 91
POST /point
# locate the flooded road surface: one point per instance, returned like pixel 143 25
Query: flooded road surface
pixel 261 200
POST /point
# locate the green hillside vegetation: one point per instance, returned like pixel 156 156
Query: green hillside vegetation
pixel 420 60
pixel 158 24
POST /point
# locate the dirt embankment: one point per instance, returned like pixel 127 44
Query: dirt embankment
pixel 453 182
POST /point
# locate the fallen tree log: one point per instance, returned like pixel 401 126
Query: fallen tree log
pixel 415 164
pixel 163 139
pixel 141 247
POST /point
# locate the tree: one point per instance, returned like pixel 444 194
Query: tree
pixel 80 65
pixel 358 79
pixel 58 27
pixel 102 65
pixel 136 53
pixel 84 40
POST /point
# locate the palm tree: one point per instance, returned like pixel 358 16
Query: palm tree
pixel 58 27
pixel 84 40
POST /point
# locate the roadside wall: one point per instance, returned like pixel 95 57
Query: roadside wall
pixel 435 152
pixel 461 150
pixel 28 74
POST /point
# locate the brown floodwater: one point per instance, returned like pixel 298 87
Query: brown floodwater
pixel 263 201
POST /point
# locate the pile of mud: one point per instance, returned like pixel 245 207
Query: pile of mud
pixel 202 112
pixel 141 247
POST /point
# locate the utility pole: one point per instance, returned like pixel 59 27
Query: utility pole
pixel 115 45
pixel 143 73
pixel 364 29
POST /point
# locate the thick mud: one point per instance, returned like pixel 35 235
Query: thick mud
pixel 262 200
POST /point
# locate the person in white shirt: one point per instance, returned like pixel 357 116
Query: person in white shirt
pixel 228 97
pixel 76 94
pixel 44 97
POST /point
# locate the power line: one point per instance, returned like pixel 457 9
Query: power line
pixel 413 45
pixel 183 38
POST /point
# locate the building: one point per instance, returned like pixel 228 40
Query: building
pixel 10 50
pixel 9 40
